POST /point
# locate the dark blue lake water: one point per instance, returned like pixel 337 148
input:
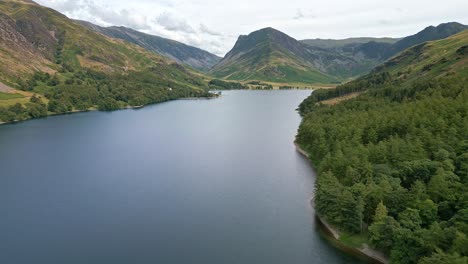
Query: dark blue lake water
pixel 194 181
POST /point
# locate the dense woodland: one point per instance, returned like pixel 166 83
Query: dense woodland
pixel 393 165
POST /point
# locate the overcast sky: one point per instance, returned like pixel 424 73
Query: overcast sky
pixel 214 25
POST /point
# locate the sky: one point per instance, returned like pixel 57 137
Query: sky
pixel 215 25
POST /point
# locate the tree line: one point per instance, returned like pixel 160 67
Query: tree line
pixel 85 89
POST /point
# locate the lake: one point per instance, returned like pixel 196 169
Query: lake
pixel 188 181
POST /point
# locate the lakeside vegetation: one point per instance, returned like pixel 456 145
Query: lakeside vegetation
pixel 84 90
pixel 393 162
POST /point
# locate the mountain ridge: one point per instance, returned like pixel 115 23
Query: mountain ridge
pixel 185 54
pixel 429 33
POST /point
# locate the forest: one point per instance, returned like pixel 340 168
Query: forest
pixel 392 165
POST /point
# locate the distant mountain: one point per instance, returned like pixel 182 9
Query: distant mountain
pixel 271 55
pixel 365 52
pixel 182 53
pixel 429 33
pixel 341 43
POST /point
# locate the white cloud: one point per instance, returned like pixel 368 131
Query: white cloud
pixel 124 17
pixel 98 13
pixel 207 30
pixel 173 23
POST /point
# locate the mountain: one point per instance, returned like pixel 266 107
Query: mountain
pixel 365 52
pixel 429 33
pixel 182 53
pixel 72 67
pixel 395 150
pixel 270 55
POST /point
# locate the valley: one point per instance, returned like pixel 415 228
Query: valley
pixel 116 67
pixel 382 120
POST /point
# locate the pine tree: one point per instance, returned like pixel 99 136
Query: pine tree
pixel 381 213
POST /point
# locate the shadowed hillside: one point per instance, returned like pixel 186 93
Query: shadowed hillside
pixel 182 53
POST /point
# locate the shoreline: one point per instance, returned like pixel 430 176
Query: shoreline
pixel 333 234
pixel 95 109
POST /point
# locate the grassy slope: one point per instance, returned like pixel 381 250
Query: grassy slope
pixel 8 96
pixel 430 60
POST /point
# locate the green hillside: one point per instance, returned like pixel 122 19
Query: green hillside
pixel 391 161
pixel 70 67
pixel 430 59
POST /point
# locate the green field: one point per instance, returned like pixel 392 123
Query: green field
pixel 8 96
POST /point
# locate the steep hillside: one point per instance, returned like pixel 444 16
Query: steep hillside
pixel 271 55
pixel 45 53
pixel 430 59
pixel 182 53
pixel 430 33
pixel 392 161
